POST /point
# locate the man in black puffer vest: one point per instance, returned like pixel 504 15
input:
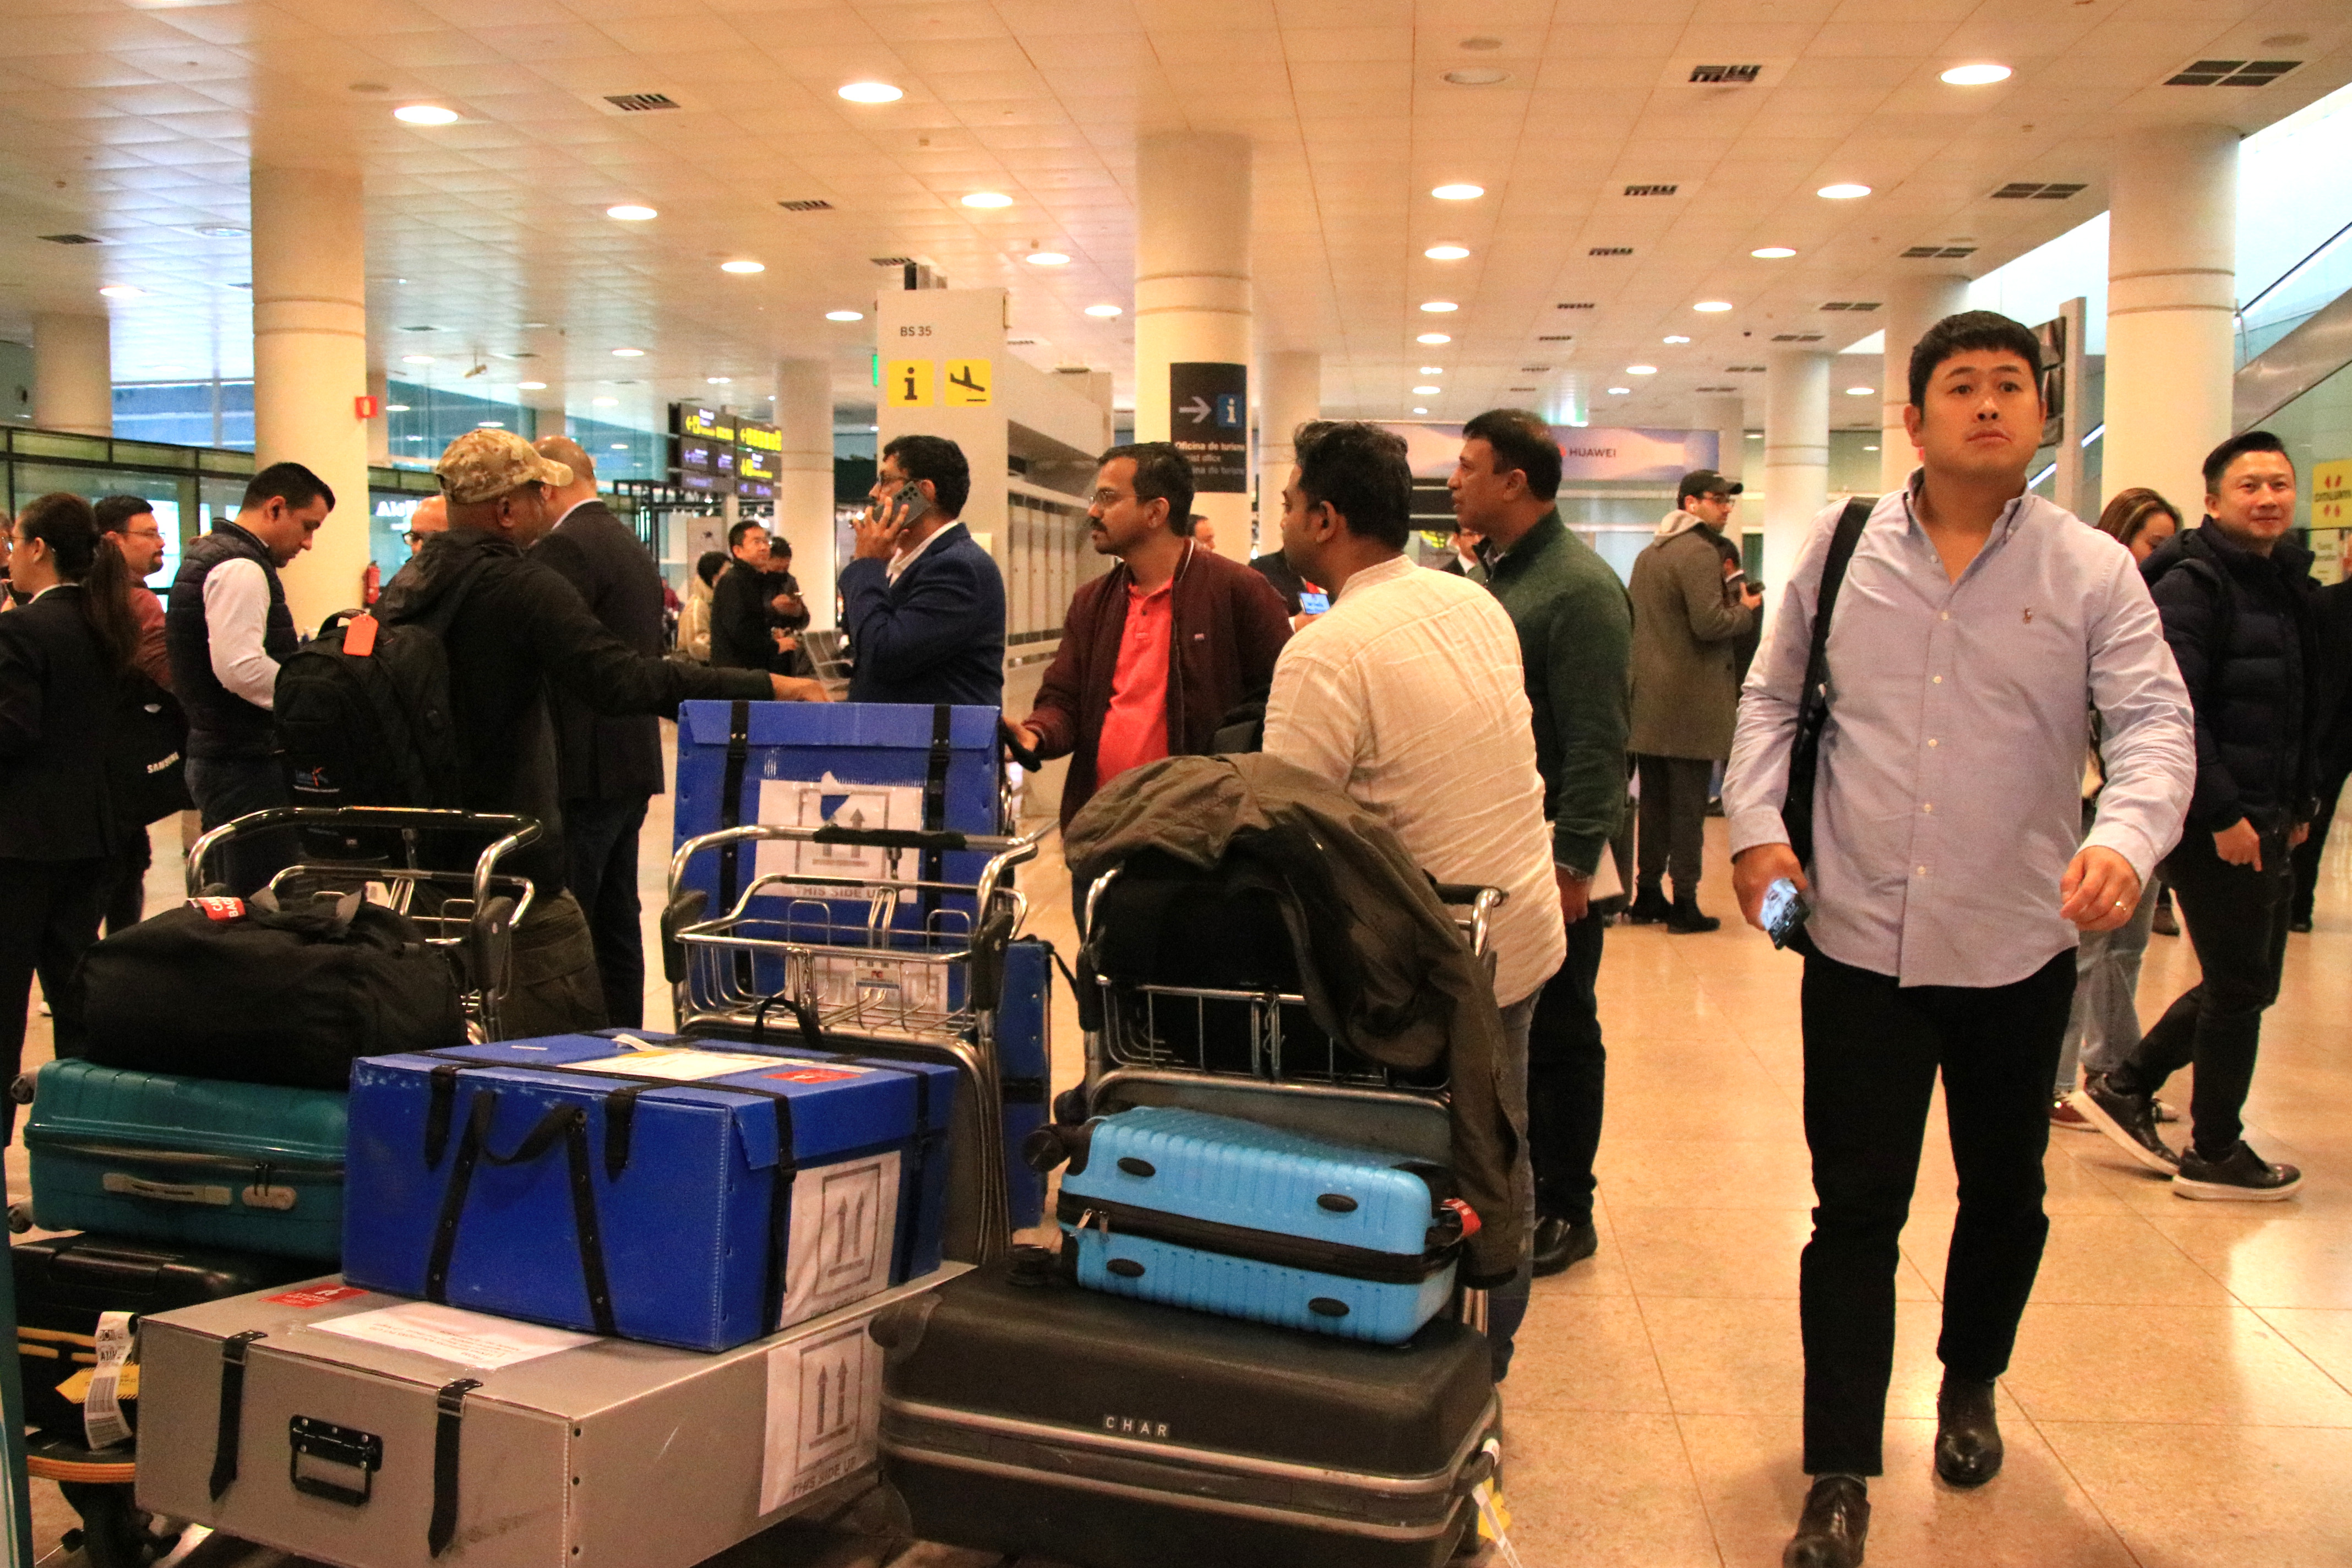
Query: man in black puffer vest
pixel 2235 596
pixel 226 631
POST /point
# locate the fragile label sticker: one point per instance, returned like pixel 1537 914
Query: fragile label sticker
pixel 220 909
pixel 315 1296
pixel 824 1403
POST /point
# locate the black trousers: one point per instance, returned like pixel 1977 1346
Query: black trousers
pixel 2307 853
pixel 49 919
pixel 1673 820
pixel 1567 1070
pixel 601 839
pixel 2236 918
pixel 126 881
pixel 1872 1053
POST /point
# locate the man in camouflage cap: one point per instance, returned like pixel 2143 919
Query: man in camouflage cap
pixel 515 627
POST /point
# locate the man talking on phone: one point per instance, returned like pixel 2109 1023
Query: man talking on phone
pixel 922 602
pixel 1974 630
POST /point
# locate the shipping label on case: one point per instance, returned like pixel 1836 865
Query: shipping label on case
pixel 824 1402
pixel 845 1232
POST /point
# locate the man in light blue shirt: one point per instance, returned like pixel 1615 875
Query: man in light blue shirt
pixel 1976 629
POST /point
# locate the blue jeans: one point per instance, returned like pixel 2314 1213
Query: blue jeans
pixel 227 788
pixel 1507 1305
pixel 2103 1027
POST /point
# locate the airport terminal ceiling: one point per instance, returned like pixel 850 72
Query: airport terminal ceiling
pixel 1634 159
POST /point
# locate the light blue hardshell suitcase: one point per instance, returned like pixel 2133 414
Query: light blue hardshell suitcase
pixel 689 1194
pixel 1226 1217
pixel 158 1157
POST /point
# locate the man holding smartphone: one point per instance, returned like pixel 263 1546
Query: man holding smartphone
pixel 1975 626
pixel 923 604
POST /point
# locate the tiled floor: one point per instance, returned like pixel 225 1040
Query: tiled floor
pixel 2183 1390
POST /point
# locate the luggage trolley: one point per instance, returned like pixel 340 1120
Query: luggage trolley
pixel 870 956
pixel 468 911
pixel 1238 1040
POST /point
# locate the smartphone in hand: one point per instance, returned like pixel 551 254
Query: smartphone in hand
pixel 1785 911
pixel 912 503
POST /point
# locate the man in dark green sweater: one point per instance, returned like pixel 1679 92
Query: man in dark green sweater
pixel 1576 637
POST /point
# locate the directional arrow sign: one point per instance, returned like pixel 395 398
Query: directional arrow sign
pixel 1198 411
pixel 1208 404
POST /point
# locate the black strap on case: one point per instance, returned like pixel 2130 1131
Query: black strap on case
pixel 935 804
pixel 1813 703
pixel 448 1426
pixel 232 1410
pixel 730 800
pixel 565 1124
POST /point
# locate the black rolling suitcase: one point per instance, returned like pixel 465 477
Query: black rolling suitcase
pixel 1022 1415
pixel 65 1282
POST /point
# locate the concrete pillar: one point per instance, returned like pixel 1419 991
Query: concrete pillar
pixel 310 363
pixel 805 479
pixel 1796 454
pixel 379 429
pixel 1291 392
pixel 2172 262
pixel 1192 300
pixel 73 372
pixel 1726 414
pixel 1913 305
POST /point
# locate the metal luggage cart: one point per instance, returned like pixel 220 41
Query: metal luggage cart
pixel 1153 1043
pixel 470 911
pixel 829 956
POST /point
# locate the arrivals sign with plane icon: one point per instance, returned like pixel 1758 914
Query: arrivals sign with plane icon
pixel 1208 420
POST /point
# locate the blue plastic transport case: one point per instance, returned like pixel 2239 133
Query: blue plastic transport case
pixel 1226 1217
pixel 688 1196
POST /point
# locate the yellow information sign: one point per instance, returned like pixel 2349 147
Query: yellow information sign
pixel 906 383
pixel 967 384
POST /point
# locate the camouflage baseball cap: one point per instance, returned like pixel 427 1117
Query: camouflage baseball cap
pixel 483 465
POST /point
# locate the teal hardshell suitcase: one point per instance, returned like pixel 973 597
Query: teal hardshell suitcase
pixel 158 1157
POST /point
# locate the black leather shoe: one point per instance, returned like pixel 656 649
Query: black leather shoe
pixel 1835 1523
pixel 1968 1439
pixel 1560 1244
pixel 1684 918
pixel 1649 907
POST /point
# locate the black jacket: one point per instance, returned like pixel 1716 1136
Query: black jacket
pixel 520 629
pixel 600 756
pixel 739 619
pixel 56 694
pixel 220 723
pixel 2241 628
pixel 2332 624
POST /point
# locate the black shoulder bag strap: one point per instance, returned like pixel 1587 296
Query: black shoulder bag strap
pixel 1814 704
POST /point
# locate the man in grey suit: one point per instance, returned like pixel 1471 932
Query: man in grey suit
pixel 609 767
pixel 1690 609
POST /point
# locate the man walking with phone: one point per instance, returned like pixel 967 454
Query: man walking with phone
pixel 1973 626
pixel 922 602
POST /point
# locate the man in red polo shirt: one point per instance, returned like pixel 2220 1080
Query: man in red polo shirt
pixel 1158 650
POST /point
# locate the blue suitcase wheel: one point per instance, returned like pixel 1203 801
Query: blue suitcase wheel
pixel 1326 1306
pixel 1135 1167
pixel 1129 1269
pixel 1338 1203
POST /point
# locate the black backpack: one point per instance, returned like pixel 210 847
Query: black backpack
pixel 363 712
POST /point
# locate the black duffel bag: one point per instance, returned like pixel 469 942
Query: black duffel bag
pixel 251 993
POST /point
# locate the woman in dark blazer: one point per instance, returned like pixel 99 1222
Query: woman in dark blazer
pixel 61 658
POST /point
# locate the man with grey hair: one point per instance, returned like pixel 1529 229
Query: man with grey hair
pixel 514 628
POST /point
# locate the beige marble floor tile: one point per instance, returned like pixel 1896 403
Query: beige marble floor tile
pixel 1747 1357
pixel 2219 1496
pixel 1585 1353
pixel 2032 1515
pixel 1602 1490
pixel 2323 1333
pixel 2263 1256
pixel 1657 1172
pixel 1725 1253
pixel 2207 1366
pixel 2111 1259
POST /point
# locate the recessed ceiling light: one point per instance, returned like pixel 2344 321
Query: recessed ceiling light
pixel 395 408
pixel 1476 76
pixel 220 231
pixel 988 199
pixel 425 114
pixel 620 446
pixel 1640 370
pixel 1619 391
pixel 1861 392
pixel 1458 193
pixel 1046 259
pixel 1870 448
pixel 1842 192
pixel 1977 75
pixel 845 315
pixel 872 92
pixel 1105 311
pixel 121 292
pixel 628 354
pixel 719 381
pixel 1773 253
pixel 1712 307
pixel 1427 391
pixel 489 424
pixel 604 402
pixel 630 212
pixel 1674 337
pixel 530 386
pixel 743 267
pixel 416 358
pixel 1439 307
pixel 1433 338
pixel 1421 411
pixel 1433 369
pixel 1446 252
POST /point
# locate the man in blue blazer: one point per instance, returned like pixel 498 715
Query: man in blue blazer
pixel 924 604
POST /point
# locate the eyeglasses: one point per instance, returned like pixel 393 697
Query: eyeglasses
pixel 1110 498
